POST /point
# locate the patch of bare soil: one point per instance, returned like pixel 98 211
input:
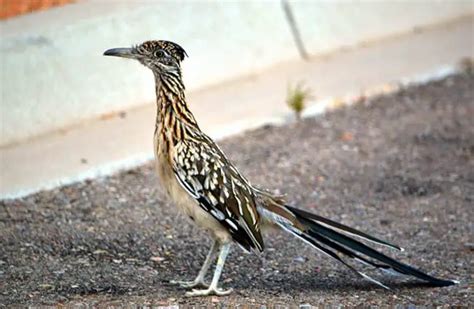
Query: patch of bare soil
pixel 400 167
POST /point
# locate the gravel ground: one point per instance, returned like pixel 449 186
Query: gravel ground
pixel 399 166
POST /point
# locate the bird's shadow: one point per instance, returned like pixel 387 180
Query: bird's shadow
pixel 310 282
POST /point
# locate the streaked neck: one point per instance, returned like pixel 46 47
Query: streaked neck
pixel 173 113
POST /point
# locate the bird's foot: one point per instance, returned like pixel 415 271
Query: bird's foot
pixel 190 284
pixel 208 291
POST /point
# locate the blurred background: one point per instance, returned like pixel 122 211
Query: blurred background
pixel 63 102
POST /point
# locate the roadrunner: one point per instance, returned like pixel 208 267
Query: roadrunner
pixel 209 189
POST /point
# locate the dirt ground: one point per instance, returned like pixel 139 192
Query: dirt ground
pixel 400 167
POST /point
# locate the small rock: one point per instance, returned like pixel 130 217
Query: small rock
pixel 157 259
pixel 100 251
pixel 299 259
pixel 347 136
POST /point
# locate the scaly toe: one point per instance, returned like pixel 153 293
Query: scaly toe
pixel 209 291
pixel 189 284
pixel 222 292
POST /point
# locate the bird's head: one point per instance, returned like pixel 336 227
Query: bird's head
pixel 160 56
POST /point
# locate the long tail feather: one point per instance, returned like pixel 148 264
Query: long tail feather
pixel 321 233
pixel 332 254
pixel 341 227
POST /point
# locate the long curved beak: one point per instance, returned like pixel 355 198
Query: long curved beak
pixel 120 52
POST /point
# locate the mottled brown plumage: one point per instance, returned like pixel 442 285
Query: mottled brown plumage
pixel 206 186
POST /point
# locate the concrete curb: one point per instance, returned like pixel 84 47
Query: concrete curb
pixel 53 75
pixel 105 146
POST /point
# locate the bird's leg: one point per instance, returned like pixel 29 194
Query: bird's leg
pixel 213 289
pixel 199 281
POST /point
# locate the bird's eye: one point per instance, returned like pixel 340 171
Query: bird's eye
pixel 160 53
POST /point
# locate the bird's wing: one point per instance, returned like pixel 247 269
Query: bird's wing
pixel 205 173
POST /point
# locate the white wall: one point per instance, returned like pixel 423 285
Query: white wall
pixel 53 73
